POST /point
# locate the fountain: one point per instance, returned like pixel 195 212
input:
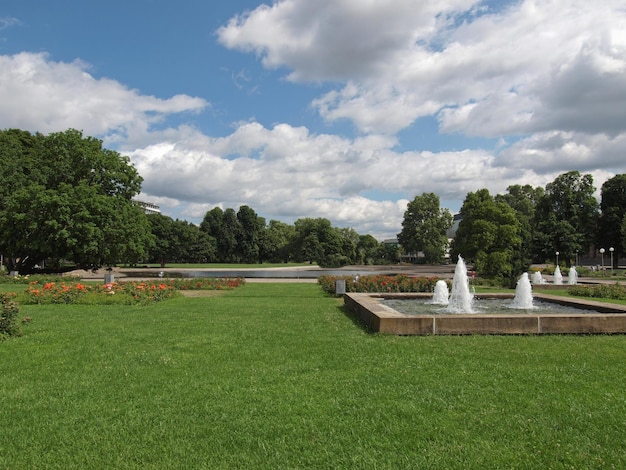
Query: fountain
pixel 538 278
pixel 461 299
pixel 441 293
pixel 572 276
pixel 523 293
pixel 558 277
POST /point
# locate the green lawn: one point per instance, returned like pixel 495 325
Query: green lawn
pixel 280 376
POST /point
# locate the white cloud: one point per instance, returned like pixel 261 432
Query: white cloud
pixel 534 66
pixel 42 95
pixel 286 173
pixel 548 76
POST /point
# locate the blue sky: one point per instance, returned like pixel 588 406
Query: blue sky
pixel 341 109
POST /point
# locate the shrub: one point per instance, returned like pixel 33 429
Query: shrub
pixel 8 316
pixel 604 291
pixel 131 292
pixel 380 283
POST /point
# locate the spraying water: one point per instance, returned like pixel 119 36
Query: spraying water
pixel 538 278
pixel 440 296
pixel 523 293
pixel 461 299
pixel 558 277
pixel 572 277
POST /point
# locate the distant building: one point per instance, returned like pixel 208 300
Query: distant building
pixel 148 207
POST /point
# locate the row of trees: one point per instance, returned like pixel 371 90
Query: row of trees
pixel 229 236
pixel 65 197
pixel 503 234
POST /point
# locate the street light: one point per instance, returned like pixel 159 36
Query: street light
pixel 602 253
pixel 611 250
pixel 557 258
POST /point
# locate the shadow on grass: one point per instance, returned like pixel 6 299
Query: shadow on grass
pixel 354 318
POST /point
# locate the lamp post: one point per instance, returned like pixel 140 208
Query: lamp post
pixel 557 258
pixel 602 254
pixel 576 258
pixel 611 250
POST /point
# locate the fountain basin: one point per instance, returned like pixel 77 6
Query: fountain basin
pixel 607 319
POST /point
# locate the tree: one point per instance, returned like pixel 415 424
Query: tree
pixel 523 200
pixel 249 234
pixel 613 210
pixel 277 242
pixel 368 250
pixel 566 217
pixel 65 197
pixel 316 241
pixel 488 235
pixel 179 241
pixel 424 228
pixel 223 226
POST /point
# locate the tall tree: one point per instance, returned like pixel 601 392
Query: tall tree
pixel 66 197
pixel 488 235
pixel 613 210
pixel 424 227
pixel 523 200
pixel 277 242
pixel 566 217
pixel 249 235
pixel 223 226
pixel 317 241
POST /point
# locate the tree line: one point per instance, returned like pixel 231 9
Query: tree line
pixel 242 236
pixel 64 197
pixel 503 234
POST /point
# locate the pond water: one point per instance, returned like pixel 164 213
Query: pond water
pixel 480 306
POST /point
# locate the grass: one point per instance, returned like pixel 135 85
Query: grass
pixel 280 376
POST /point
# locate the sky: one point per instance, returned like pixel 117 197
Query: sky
pixel 341 109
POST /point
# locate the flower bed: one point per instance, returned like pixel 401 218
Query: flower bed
pixel 132 292
pixel 380 283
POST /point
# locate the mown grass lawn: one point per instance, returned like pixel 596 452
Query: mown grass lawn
pixel 280 376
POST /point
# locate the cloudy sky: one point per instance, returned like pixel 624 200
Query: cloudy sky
pixel 343 109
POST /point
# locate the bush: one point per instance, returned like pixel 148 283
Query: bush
pixel 8 316
pixel 604 291
pixel 126 293
pixel 380 283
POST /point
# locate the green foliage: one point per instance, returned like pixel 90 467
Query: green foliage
pixel 8 316
pixel 489 235
pixel 66 197
pixel 178 241
pixel 566 217
pixel 380 283
pixel 424 228
pixel 603 291
pixel 613 215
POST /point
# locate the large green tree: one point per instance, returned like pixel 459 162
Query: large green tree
pixel 65 197
pixel 249 235
pixel 179 241
pixel 317 241
pixel 488 235
pixel 566 218
pixel 613 210
pixel 424 228
pixel 277 242
pixel 224 227
pixel 523 200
